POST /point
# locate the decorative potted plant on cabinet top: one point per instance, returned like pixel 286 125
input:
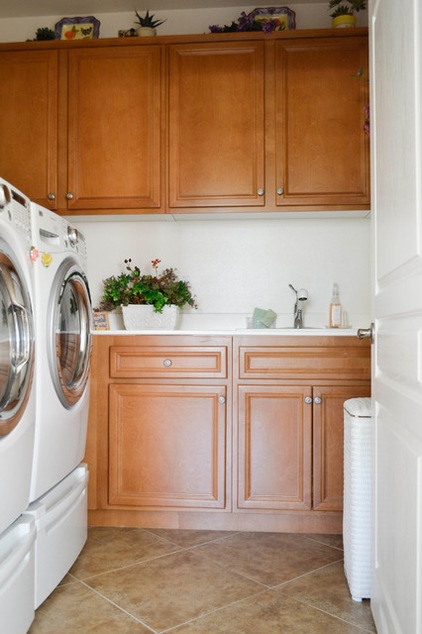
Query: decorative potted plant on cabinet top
pixel 146 24
pixel 147 301
pixel 344 10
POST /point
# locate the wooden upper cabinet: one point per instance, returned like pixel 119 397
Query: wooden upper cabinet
pixel 28 122
pixel 231 122
pixel 216 125
pixel 114 129
pixel 322 151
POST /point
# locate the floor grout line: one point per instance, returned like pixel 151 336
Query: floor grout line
pixel 331 614
pixel 306 574
pixel 119 607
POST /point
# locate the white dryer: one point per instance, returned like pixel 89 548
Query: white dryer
pixel 63 335
pixel 17 384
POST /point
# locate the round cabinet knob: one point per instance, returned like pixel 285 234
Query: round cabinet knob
pixel 167 363
pixel 69 195
pixel 317 400
pixel 51 196
pixel 260 191
pixel 308 399
pixel 222 399
pixel 280 191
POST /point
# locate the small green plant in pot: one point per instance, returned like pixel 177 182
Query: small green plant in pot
pixel 147 25
pixel 343 11
pixel 157 289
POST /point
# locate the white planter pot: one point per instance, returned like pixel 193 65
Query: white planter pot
pixel 146 31
pixel 142 317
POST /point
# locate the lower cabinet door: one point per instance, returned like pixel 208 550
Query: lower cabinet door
pixel 328 419
pixel 274 434
pixel 167 446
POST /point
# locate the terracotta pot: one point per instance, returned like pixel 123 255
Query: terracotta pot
pixel 344 21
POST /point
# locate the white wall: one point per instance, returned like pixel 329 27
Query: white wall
pixel 177 22
pixel 237 265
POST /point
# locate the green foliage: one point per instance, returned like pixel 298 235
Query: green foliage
pixel 346 7
pixel 132 287
pixel 148 20
pixel 43 33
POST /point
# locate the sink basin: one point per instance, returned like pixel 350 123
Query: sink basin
pixel 299 329
pixel 291 331
pixel 281 328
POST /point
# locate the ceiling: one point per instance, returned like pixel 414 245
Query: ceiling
pixel 67 8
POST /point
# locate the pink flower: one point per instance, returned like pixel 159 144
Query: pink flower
pixel 33 254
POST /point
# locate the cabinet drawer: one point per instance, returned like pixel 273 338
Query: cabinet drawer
pixel 168 362
pixel 341 361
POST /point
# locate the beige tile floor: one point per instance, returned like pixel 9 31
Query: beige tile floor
pixel 132 580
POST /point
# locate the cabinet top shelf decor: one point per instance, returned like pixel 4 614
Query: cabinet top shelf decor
pixel 161 40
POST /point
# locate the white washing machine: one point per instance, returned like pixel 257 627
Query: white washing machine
pixel 63 335
pixel 17 411
pixel 17 383
pixel 58 491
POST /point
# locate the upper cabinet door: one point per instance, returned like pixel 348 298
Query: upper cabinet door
pixel 322 150
pixel 28 123
pixel 114 137
pixel 216 125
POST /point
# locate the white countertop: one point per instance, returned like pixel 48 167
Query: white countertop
pixel 280 332
pixel 235 325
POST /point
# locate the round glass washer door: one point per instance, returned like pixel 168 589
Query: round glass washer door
pixel 16 342
pixel 70 333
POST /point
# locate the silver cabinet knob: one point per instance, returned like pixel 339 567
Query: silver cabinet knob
pixel 280 191
pixel 308 399
pixel 51 196
pixel 260 191
pixel 69 195
pixel 167 363
pixel 222 399
pixel 317 400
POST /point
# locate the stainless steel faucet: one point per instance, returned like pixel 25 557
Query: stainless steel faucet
pixel 301 296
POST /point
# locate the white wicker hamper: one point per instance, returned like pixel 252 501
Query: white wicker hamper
pixel 357 513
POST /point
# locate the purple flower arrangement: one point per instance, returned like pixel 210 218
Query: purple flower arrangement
pixel 249 23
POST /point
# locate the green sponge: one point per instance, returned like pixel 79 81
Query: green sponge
pixel 263 318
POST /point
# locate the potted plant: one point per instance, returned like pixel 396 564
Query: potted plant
pixel 147 25
pixel 344 10
pixel 158 295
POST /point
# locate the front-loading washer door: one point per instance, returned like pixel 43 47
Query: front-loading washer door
pixel 16 342
pixel 70 333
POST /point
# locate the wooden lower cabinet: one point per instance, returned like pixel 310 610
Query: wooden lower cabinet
pixel 167 445
pixel 328 443
pixel 223 433
pixel 274 459
pixel 290 446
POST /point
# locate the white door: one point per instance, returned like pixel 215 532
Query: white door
pixel 396 54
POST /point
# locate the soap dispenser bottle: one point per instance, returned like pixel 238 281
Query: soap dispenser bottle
pixel 335 308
